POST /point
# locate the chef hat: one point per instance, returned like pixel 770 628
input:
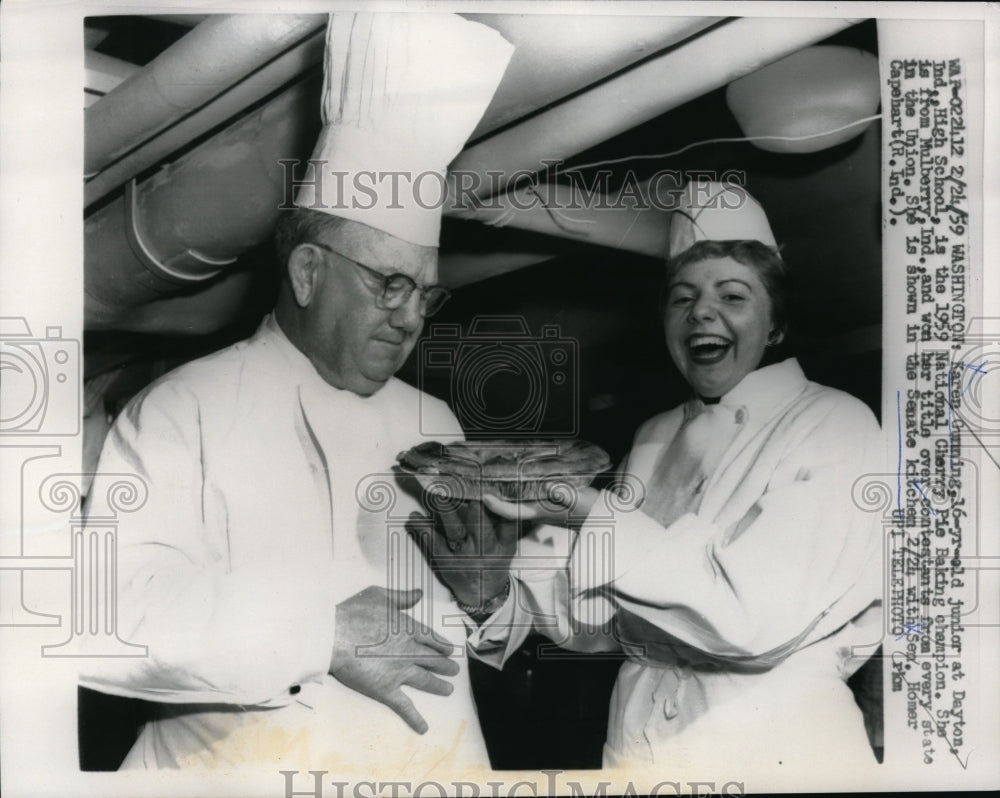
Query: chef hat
pixel 401 94
pixel 711 211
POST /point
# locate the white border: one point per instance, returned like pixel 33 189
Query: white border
pixel 41 233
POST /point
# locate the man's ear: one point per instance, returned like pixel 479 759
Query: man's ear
pixel 775 337
pixel 304 273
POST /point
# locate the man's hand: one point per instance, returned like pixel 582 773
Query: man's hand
pixel 377 648
pixel 469 548
pixel 563 506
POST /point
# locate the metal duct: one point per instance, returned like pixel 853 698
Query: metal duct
pixel 264 81
pixel 205 62
pixel 184 224
pixel 642 93
pixel 172 233
pixel 188 20
pixel 559 210
pixel 103 73
pixel 556 55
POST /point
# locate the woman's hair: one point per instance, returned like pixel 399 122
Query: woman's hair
pixel 771 269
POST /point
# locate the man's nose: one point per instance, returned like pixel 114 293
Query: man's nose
pixel 407 316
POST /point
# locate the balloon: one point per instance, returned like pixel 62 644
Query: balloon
pixel 815 90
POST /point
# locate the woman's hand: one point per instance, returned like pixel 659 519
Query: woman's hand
pixel 564 506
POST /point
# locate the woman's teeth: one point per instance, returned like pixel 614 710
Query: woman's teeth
pixel 708 348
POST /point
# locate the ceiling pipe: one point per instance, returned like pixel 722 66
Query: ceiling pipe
pixel 180 227
pixel 220 303
pixel 102 73
pixel 635 224
pixel 642 93
pixel 547 64
pixel 174 232
pixel 205 62
pixel 187 20
pixel 275 74
pixel 556 55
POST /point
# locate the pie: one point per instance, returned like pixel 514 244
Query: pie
pixel 512 470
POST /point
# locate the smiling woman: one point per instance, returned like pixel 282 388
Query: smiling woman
pixel 722 310
pixel 743 579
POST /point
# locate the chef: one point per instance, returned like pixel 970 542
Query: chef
pixel 286 620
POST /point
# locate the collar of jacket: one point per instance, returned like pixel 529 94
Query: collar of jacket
pixel 760 393
pixel 269 332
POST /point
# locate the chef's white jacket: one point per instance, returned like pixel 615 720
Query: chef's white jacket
pixel 270 500
pixel 742 621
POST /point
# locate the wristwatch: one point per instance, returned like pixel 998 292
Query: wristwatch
pixel 481 612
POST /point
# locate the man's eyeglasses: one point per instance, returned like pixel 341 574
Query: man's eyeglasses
pixel 396 289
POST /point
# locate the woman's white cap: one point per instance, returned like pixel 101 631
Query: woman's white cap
pixel 711 211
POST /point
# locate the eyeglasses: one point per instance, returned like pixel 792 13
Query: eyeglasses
pixel 396 289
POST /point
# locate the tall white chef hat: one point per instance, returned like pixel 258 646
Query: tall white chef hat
pixel 711 211
pixel 401 94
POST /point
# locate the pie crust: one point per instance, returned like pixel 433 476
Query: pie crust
pixel 513 470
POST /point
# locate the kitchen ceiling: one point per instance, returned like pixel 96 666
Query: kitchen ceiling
pixel 220 155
